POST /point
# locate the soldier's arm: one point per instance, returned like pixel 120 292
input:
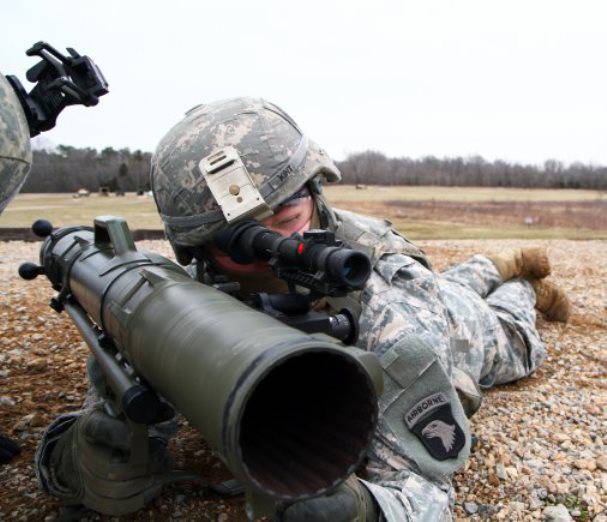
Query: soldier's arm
pixel 423 434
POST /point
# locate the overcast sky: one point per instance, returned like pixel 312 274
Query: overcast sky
pixel 517 80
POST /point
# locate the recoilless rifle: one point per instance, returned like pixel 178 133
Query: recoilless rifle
pixel 290 412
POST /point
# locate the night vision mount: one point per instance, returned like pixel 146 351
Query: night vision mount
pixel 60 81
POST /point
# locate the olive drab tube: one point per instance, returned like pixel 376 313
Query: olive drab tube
pixel 290 413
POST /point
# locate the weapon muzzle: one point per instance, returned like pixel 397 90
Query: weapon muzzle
pixel 306 423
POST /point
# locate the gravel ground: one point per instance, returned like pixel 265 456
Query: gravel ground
pixel 541 453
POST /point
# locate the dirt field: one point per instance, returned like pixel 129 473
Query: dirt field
pixel 422 212
pixel 542 441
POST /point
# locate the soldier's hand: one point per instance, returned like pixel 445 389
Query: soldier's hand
pixel 350 502
pixel 8 449
pixel 101 462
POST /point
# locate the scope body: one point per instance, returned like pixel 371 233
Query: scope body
pixel 316 254
pixel 290 413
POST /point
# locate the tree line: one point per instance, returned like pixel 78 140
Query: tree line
pixel 372 167
pixel 69 169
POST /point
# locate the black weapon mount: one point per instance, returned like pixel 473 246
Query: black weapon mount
pixel 60 81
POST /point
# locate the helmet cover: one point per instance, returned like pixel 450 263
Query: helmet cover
pixel 229 160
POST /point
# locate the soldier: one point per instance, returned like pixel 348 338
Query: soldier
pixel 440 337
pixel 23 115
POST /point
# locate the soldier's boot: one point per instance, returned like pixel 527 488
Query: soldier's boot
pixel 530 263
pixel 551 301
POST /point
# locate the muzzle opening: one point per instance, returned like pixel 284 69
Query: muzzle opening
pixel 307 424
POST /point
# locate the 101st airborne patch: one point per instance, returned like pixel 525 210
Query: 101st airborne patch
pixel 431 420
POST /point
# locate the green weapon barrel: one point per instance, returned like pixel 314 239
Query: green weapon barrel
pixel 291 413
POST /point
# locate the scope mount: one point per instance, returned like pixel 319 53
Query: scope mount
pixel 60 81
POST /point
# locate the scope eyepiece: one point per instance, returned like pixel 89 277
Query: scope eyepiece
pixel 349 267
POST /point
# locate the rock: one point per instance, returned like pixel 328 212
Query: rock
pixel 540 493
pixel 486 511
pixel 39 364
pixel 519 507
pixel 24 422
pixel 556 513
pixel 589 464
pixel 471 507
pixel 601 462
pixel 535 503
pixel 223 517
pixel 6 401
pixel 534 463
pixel 36 421
pixel 500 471
pixel 33 420
pixel 493 480
pixel 512 472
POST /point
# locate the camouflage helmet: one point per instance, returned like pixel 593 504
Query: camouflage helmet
pixel 230 160
pixel 15 148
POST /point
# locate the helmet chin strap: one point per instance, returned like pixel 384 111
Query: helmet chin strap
pixel 323 216
pixel 315 219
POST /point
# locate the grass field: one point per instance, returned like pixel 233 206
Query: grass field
pixel 472 194
pixel 420 212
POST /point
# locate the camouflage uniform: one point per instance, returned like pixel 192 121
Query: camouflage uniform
pixel 15 149
pixel 436 334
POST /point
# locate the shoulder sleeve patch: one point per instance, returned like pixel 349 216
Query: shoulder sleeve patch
pixel 432 421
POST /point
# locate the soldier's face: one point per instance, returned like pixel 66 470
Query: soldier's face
pixel 294 217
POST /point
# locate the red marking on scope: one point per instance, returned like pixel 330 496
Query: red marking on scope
pixel 300 248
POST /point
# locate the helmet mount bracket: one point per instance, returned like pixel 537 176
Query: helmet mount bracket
pixel 60 81
pixel 232 186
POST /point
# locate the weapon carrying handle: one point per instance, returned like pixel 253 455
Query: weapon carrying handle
pixel 114 231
